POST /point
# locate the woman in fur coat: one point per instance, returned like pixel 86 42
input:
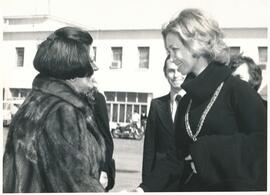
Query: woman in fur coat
pixel 54 143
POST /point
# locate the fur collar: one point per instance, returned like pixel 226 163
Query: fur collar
pixel 63 90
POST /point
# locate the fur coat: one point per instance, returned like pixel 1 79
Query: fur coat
pixel 53 144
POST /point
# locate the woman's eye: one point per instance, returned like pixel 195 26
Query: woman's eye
pixel 171 71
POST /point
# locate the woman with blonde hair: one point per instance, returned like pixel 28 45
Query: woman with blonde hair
pixel 220 125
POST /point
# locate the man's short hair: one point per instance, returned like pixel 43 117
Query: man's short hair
pixel 65 54
pixel 253 69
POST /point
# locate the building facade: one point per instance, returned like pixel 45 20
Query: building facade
pixel 130 61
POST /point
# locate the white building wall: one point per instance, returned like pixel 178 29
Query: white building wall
pixel 129 78
pixel 18 77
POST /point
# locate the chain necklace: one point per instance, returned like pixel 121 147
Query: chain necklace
pixel 202 119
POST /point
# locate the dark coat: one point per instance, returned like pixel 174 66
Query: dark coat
pixel 102 120
pixel 230 153
pixel 159 138
pixel 53 144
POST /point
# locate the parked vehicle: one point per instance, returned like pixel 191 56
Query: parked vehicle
pixel 130 131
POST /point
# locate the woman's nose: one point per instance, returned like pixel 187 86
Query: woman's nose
pixel 171 57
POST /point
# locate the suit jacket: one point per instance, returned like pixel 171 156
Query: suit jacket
pixel 159 138
pixel 102 120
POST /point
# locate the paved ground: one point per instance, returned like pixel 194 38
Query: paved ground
pixel 128 158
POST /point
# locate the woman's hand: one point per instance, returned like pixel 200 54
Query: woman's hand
pixel 189 158
pixel 103 179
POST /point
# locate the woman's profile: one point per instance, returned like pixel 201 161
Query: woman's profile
pixel 54 143
pixel 221 123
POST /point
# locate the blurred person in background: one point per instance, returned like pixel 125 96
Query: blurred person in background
pixel 246 69
pixel 136 120
pixel 143 120
pixel 159 135
pixel 55 142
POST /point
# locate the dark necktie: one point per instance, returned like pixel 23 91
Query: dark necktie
pixel 178 98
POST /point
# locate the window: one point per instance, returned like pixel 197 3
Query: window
pixel 136 108
pixel 4 93
pixel 144 109
pixel 234 50
pixel 116 58
pixel 122 113
pixel 131 97
pixel 121 96
pixel 128 113
pixel 142 97
pixel 20 56
pixel 115 113
pixel 110 96
pixel 262 55
pixel 263 58
pixel 143 57
pixel 122 105
pixel 109 111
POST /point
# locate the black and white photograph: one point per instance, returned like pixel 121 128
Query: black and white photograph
pixel 134 96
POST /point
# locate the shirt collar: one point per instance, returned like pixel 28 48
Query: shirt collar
pixel 182 92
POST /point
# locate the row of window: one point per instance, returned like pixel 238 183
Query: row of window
pixel 131 97
pixel 111 96
pixel 122 113
pixel 117 53
pixel 20 56
pixel 122 105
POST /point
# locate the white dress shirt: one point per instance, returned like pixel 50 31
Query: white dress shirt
pixel 174 103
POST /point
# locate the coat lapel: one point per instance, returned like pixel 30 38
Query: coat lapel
pixel 164 113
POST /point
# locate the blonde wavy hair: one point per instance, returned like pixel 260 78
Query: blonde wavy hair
pixel 200 34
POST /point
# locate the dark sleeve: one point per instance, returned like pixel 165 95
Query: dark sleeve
pixel 149 143
pixel 166 171
pixel 68 154
pixel 102 120
pixel 241 156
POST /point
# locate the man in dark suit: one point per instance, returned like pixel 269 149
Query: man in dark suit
pixel 108 169
pixel 107 175
pixel 159 134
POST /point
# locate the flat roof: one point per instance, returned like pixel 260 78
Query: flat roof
pixel 140 14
